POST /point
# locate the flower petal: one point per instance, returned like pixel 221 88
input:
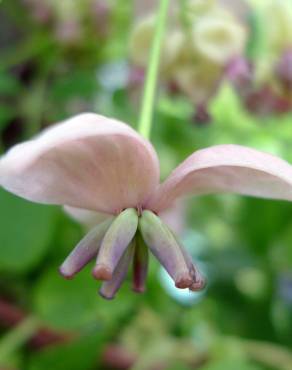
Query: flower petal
pixel 219 39
pixel 226 168
pixel 176 217
pixel 88 161
pixel 86 217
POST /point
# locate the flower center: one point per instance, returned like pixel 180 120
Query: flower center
pixel 126 239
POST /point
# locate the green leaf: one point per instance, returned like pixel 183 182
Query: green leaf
pixel 262 221
pixel 77 84
pixel 67 304
pixel 75 304
pixel 177 107
pixel 6 114
pixel 178 366
pixel 227 110
pixel 9 85
pixel 26 231
pixel 80 354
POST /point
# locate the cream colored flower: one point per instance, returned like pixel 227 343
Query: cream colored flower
pixel 219 39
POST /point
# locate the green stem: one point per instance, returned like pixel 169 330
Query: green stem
pixel 18 336
pixel 145 121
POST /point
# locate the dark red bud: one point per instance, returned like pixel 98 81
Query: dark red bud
pixel 283 70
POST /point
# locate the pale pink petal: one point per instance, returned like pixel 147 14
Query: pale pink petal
pixel 88 161
pixel 86 217
pixel 226 168
pixel 175 217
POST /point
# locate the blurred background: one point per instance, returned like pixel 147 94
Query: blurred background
pixel 225 77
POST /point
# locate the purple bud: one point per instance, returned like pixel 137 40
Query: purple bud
pixel 68 32
pixel 240 72
pixel 136 77
pixel 202 117
pixel 173 88
pixel 101 14
pixel 283 70
pixel 265 101
pixel 41 11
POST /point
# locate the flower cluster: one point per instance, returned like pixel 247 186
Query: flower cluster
pixel 264 83
pixel 107 175
pixel 207 42
pixel 203 36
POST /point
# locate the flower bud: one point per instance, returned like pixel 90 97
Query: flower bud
pixel 165 248
pixel 277 17
pixel 115 242
pixel 110 287
pixel 240 72
pixel 202 117
pixel 199 82
pixel 219 38
pixel 85 250
pixel 141 42
pixel 283 70
pixel 198 7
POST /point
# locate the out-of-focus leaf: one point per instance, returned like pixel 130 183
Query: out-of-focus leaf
pixel 78 84
pixel 26 231
pixel 280 253
pixel 6 114
pixel 227 110
pixel 257 43
pixel 9 85
pixel 261 221
pixel 281 316
pixel 178 366
pixel 178 108
pixel 66 304
pixel 75 304
pixel 12 362
pixel 81 354
pixel 122 11
pixel 232 365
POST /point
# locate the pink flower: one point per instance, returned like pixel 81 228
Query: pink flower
pixel 104 172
